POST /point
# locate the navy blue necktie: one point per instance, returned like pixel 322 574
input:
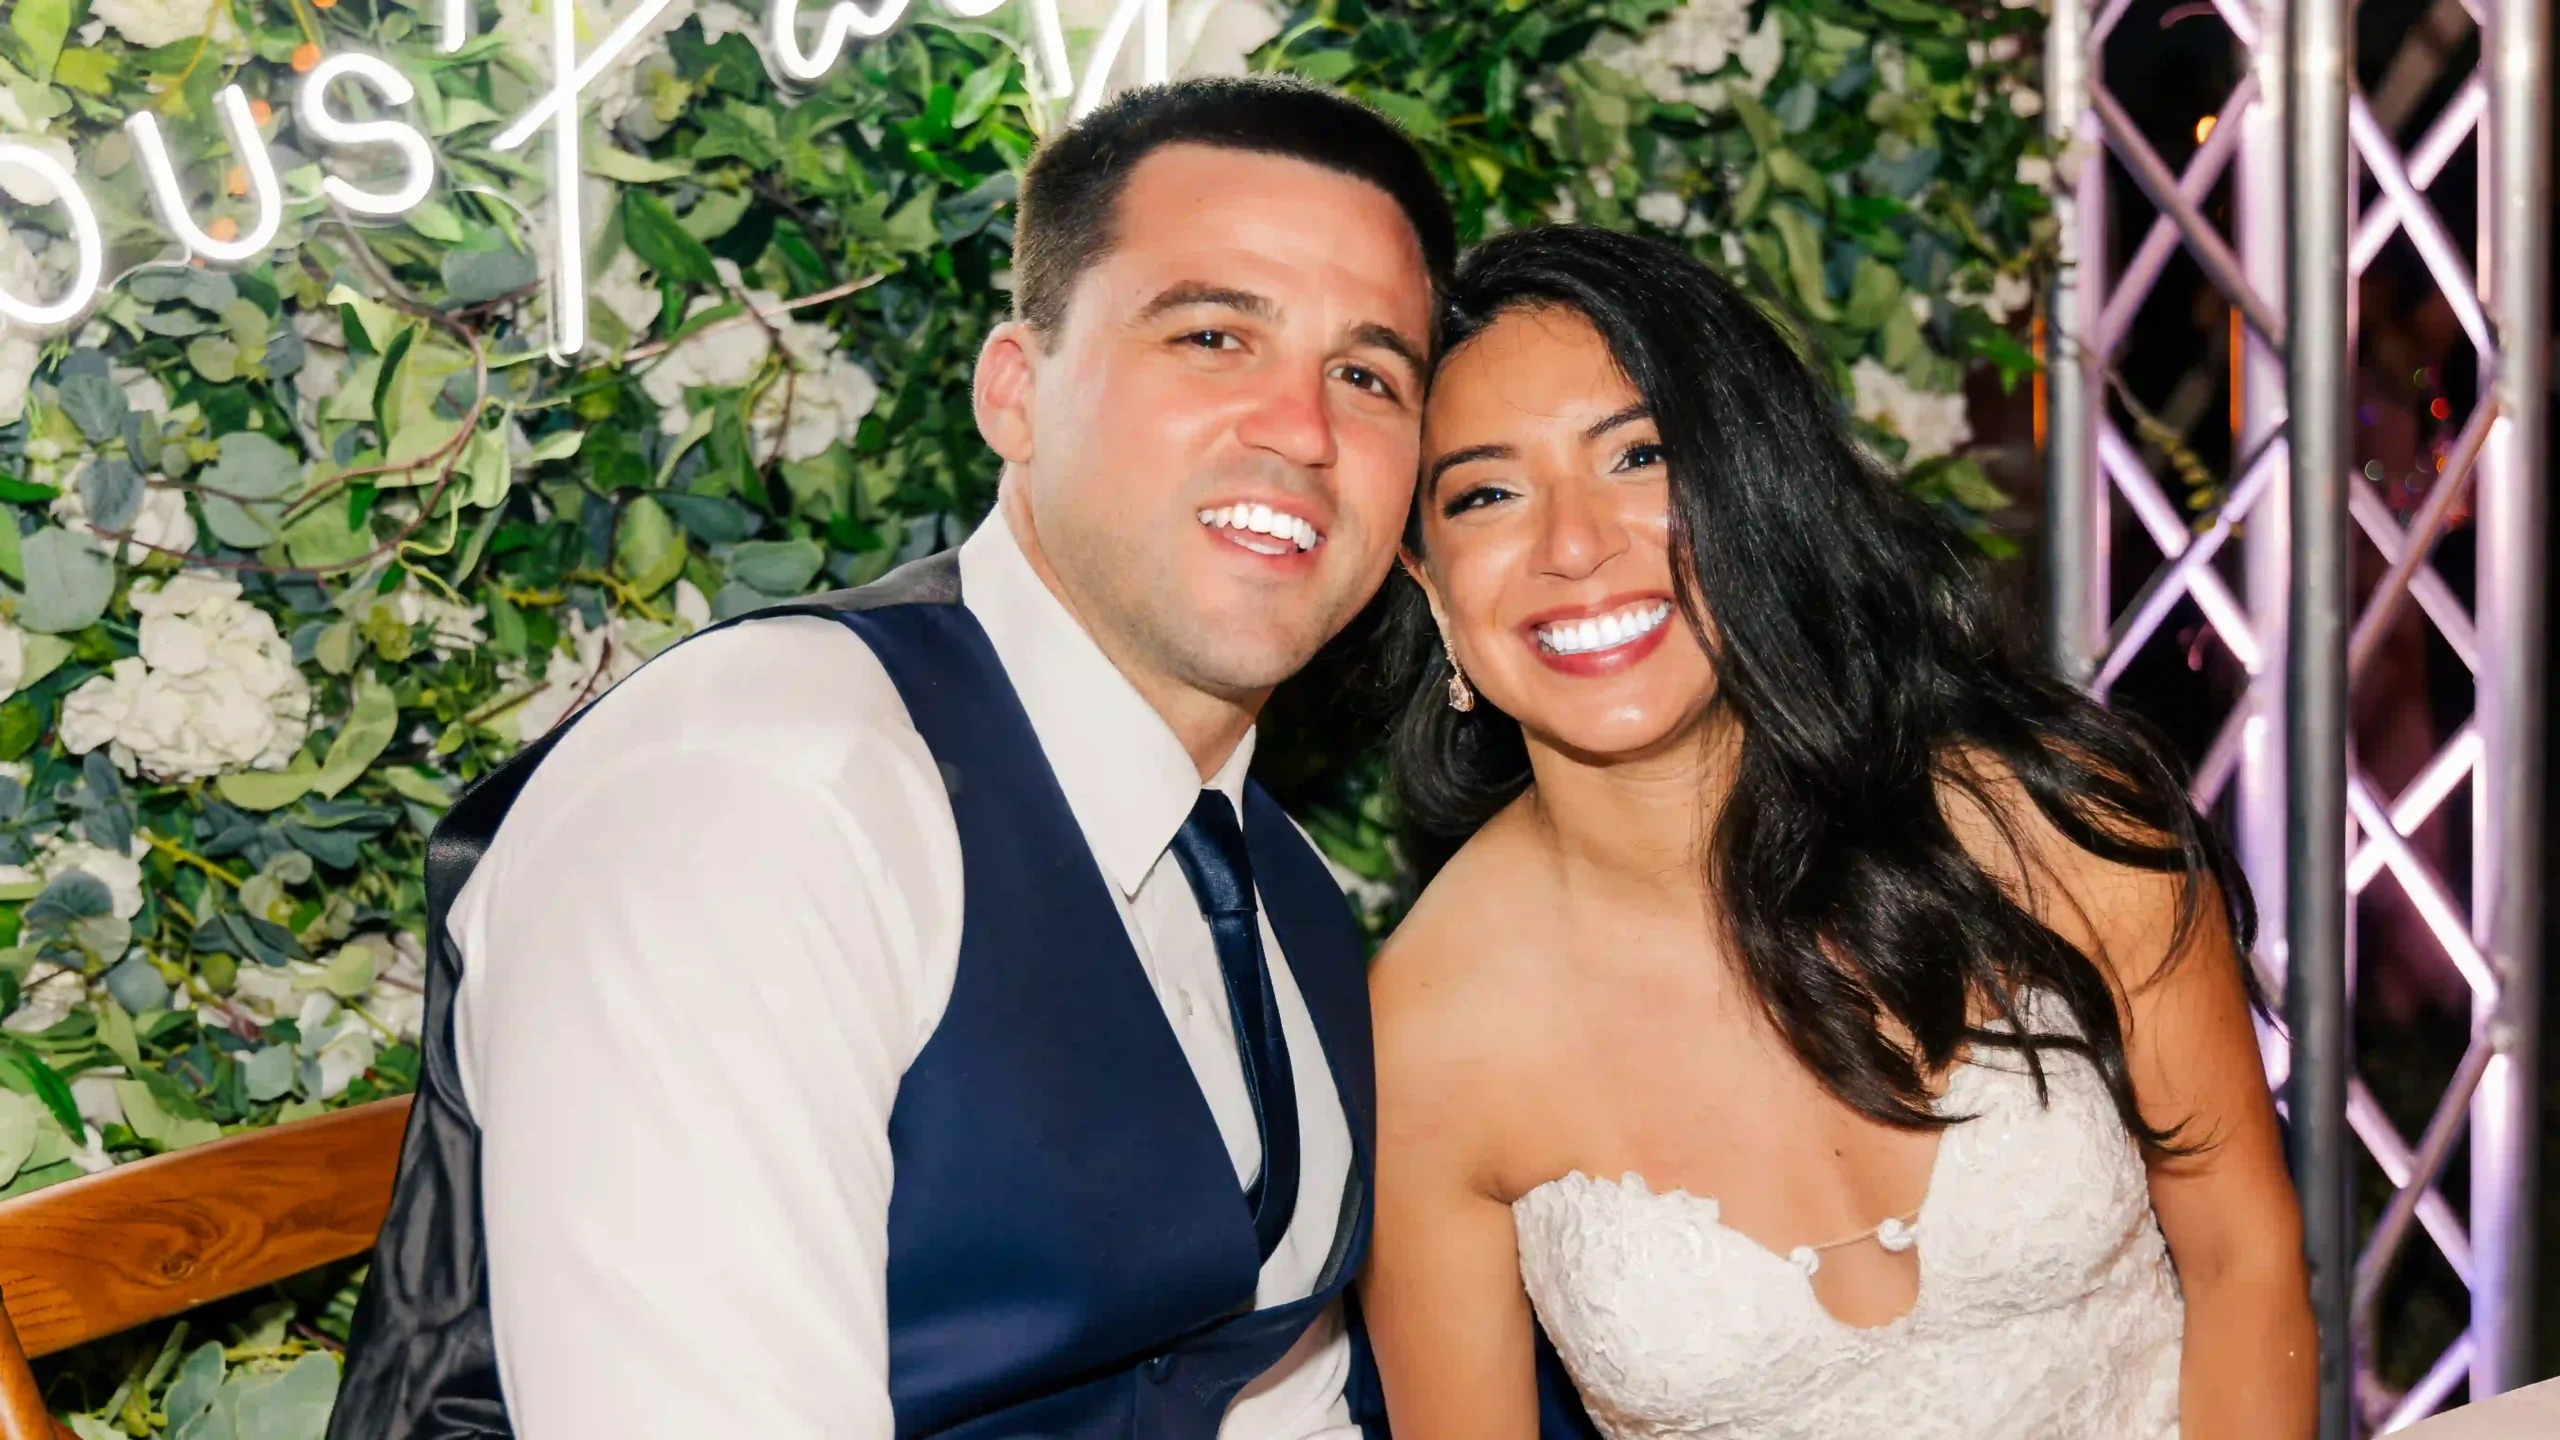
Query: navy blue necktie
pixel 1210 847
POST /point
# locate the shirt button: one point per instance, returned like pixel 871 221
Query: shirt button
pixel 1189 1010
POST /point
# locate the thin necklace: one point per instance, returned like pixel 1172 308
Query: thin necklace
pixel 1895 1233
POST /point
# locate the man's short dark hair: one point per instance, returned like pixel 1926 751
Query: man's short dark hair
pixel 1071 192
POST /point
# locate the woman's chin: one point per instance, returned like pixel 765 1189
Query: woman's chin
pixel 1620 735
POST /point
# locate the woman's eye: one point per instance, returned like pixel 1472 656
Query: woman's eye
pixel 1367 379
pixel 1640 457
pixel 1474 498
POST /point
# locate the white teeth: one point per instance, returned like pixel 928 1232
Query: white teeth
pixel 1294 530
pixel 1607 632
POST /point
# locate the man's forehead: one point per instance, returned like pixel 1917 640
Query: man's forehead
pixel 1186 204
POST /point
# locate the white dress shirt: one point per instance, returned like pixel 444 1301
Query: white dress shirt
pixel 716 928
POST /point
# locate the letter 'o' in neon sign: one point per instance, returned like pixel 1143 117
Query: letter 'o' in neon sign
pixel 558 108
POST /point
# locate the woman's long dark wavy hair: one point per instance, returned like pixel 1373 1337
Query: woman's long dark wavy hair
pixel 1868 668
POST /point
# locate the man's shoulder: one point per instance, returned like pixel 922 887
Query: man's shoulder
pixel 790 686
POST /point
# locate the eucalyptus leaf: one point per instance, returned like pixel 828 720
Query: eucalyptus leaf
pixel 95 403
pixel 69 581
pixel 111 491
pixel 368 731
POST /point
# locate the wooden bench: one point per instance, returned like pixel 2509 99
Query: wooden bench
pixel 142 1242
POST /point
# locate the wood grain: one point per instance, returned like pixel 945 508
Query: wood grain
pixel 144 1241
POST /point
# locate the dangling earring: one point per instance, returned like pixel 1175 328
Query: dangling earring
pixel 1461 697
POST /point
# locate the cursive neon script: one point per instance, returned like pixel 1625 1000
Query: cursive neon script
pixel 560 109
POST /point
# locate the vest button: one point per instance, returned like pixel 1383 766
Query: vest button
pixel 1160 1369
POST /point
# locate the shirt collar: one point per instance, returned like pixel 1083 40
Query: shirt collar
pixel 1126 775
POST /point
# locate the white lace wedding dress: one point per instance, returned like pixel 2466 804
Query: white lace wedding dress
pixel 2047 1306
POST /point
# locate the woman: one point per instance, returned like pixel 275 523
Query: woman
pixel 1829 1014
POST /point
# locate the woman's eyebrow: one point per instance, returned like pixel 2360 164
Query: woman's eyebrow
pixel 1628 416
pixel 1455 458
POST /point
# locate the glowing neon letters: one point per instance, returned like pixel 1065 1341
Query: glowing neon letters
pixel 799 59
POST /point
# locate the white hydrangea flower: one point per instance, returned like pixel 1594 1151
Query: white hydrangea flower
pixel 828 396
pixel 452 628
pixel 2025 101
pixel 526 27
pixel 24 185
pixel 2035 170
pixel 214 688
pixel 20 346
pixel 95 1094
pixel 121 874
pixel 1661 208
pixel 634 301
pixel 342 1043
pixel 143 392
pixel 46 998
pixel 1674 60
pixel 1929 425
pixel 2003 49
pixel 151 23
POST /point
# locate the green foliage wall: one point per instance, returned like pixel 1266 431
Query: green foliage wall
pixel 295 550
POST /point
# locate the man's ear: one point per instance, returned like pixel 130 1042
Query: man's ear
pixel 1001 391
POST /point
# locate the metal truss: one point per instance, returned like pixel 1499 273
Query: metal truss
pixel 2266 565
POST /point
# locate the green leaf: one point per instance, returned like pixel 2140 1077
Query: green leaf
pixel 1793 174
pixel 148 1117
pixel 191 1394
pixel 96 404
pixel 374 320
pixel 615 163
pixel 22 1071
pixel 268 1074
pixel 776 567
pixel 978 94
pixel 324 537
pixel 45 654
pixel 296 1405
pixel 368 731
pixel 1875 293
pixel 20 1121
pixel 69 581
pixel 91 72
pixel 661 243
pixel 472 276
pixel 418 785
pixel 41 26
pixel 648 550
pixel 264 790
pixel 249 466
pixel 115 1031
pixel 716 214
pixel 912 228
pixel 214 357
pixel 1804 259
pixel 485 465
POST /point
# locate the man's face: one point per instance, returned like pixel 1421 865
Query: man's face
pixel 1214 451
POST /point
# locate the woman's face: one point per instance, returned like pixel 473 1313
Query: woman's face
pixel 1546 528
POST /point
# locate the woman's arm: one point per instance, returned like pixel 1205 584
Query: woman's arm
pixel 2250 1366
pixel 2228 1210
pixel 1441 1295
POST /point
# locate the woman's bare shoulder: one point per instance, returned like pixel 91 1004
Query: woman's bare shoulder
pixel 1454 988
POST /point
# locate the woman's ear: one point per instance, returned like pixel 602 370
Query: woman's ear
pixel 1421 575
pixel 1002 388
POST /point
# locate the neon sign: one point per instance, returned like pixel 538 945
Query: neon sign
pixel 559 110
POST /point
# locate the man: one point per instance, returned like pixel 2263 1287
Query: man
pixel 897 1014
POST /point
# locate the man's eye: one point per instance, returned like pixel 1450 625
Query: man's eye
pixel 1475 497
pixel 1212 340
pixel 1368 379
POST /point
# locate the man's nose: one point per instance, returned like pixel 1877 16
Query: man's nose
pixel 1290 420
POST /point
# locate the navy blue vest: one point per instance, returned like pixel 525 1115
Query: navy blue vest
pixel 1070 1254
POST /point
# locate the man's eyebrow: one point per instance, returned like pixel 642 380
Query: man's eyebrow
pixel 1393 341
pixel 1187 293
pixel 1456 458
pixel 1628 416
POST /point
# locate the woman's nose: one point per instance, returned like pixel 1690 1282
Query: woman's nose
pixel 1583 533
